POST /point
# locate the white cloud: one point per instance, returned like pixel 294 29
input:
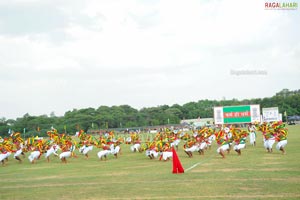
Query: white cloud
pixel 142 53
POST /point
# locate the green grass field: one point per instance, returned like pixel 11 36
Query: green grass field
pixel 254 175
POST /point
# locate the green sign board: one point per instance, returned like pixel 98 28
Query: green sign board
pixel 237 114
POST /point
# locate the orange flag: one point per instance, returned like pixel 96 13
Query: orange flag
pixel 177 167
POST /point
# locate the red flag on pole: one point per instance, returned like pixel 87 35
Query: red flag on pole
pixel 177 167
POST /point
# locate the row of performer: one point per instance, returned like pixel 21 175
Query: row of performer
pixel 158 147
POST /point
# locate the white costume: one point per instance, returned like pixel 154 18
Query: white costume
pixel 252 134
pixel 203 145
pixel 34 156
pixel 86 149
pixel 167 154
pixel 175 143
pixel 18 153
pixel 195 147
pixel 135 147
pixel 268 144
pixel 52 150
pixel 239 146
pixel 115 150
pixel 4 156
pixel 210 139
pixel 151 152
pixel 224 147
pixel 281 144
pixel 103 153
pixel 65 154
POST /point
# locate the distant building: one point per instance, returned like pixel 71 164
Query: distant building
pixel 199 122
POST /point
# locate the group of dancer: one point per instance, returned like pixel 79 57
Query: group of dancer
pixel 229 136
pixel 199 141
pixel 158 147
pixel 36 146
pixel 274 132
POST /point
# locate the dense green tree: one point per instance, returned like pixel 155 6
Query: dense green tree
pixel 124 116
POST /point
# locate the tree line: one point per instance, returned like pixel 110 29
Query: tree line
pixel 124 116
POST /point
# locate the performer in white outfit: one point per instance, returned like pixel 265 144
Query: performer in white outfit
pixel 190 147
pixel 136 147
pixel 19 152
pixel 240 143
pixel 4 156
pixel 53 150
pixel 115 149
pixel 252 134
pixel 85 150
pixel 167 155
pixel 103 153
pixel 282 140
pixel 34 156
pixel 269 140
pixel 68 151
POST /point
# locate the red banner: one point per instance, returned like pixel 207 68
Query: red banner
pixel 237 114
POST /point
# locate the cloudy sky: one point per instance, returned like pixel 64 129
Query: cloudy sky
pixel 56 55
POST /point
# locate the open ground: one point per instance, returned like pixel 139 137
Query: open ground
pixel 255 174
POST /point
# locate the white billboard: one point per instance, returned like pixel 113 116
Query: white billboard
pixel 270 114
pixel 218 115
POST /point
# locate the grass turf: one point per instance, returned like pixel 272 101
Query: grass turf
pixel 254 175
